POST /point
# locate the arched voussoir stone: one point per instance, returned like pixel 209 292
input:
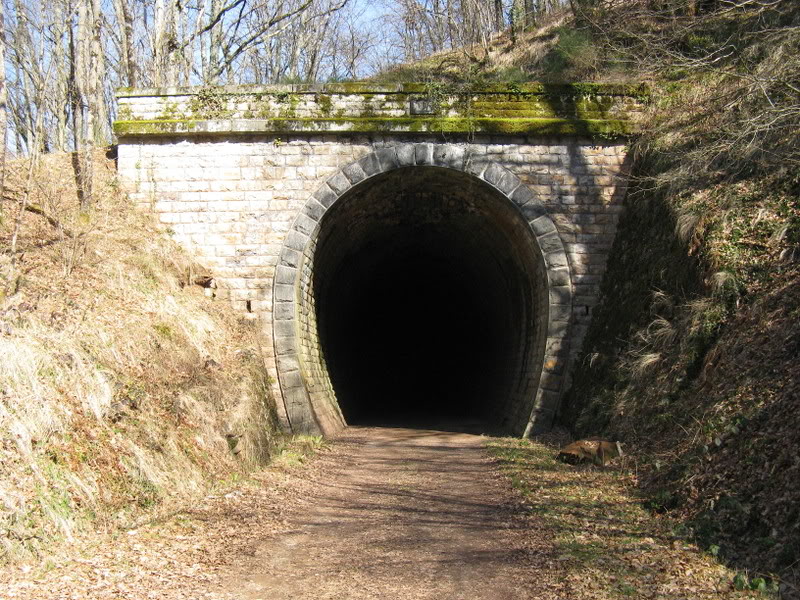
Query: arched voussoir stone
pixel 316 411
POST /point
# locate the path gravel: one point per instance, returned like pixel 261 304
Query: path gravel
pixel 400 513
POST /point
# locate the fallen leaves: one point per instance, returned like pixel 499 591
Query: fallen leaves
pixel 605 543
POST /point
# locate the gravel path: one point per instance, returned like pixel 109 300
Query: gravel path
pixel 399 513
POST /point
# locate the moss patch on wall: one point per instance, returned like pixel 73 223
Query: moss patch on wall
pixel 602 128
pixel 590 110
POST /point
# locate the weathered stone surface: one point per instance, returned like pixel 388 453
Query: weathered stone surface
pixel 370 164
pixel 354 172
pixel 590 110
pixel 325 196
pixel 250 206
pixel 541 225
pixel 448 155
pixel 405 155
pixel 387 157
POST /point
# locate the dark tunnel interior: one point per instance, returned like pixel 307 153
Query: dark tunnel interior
pixel 425 286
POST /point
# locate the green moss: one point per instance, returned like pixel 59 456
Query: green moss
pixel 170 112
pixel 157 127
pixel 506 109
pixel 289 102
pixel 208 103
pixel 264 111
pixel 597 128
pixel 125 113
pixel 517 108
pixel 325 104
pixel 636 90
pixel 512 101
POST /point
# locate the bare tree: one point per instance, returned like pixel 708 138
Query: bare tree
pixel 423 27
pixel 3 102
pixel 66 57
pixel 127 60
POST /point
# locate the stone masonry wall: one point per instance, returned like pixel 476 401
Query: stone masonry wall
pixel 232 200
pixel 242 176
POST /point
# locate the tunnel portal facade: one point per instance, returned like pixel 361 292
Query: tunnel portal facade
pixel 400 273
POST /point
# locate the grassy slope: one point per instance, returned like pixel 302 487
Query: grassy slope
pixel 123 391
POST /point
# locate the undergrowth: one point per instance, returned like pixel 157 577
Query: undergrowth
pixel 691 355
pixel 124 391
pixel 602 541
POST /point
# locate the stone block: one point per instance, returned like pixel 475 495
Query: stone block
pixel 284 293
pixel 553 364
pixel 550 243
pixel 494 174
pixel 561 294
pixel 283 311
pixel 286 275
pixel 370 165
pixel 325 195
pixel 387 157
pixel 556 346
pixel 292 380
pixel 542 226
pixel 558 277
pixel 354 173
pixel 475 164
pixel 304 224
pixel 555 260
pixel 423 154
pixel 449 156
pixel 557 328
pixel 405 155
pixel 560 312
pixel 283 329
pixel 339 183
pixel 550 382
pixel 314 209
pixel 532 211
pixel 288 363
pixel 296 240
pixel 523 195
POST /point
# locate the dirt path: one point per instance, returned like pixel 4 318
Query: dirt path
pixel 405 514
pixel 402 514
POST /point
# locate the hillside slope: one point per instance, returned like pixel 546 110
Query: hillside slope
pixel 124 391
pixel 691 359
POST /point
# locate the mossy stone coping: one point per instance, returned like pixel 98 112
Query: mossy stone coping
pixel 582 127
pixel 581 109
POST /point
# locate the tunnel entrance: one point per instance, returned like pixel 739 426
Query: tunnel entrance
pixel 429 296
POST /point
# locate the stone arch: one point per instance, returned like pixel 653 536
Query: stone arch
pixel 308 396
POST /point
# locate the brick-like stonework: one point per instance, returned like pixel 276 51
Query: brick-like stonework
pixel 249 204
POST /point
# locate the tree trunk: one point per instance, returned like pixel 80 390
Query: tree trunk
pixel 60 102
pixel 97 110
pixel 3 101
pixel 499 19
pixel 82 117
pixel 125 24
